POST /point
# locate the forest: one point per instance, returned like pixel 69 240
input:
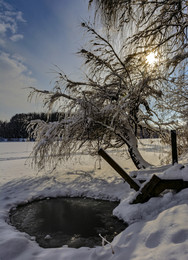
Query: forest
pixel 16 128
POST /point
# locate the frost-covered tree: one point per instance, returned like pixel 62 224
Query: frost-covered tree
pixel 158 27
pixel 131 65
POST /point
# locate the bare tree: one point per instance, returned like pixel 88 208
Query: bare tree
pixel 121 90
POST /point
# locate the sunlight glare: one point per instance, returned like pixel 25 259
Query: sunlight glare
pixel 151 58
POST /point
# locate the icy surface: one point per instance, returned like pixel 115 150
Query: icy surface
pixel 157 229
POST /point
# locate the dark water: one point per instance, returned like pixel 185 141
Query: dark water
pixel 75 222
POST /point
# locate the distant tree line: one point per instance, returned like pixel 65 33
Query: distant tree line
pixel 16 128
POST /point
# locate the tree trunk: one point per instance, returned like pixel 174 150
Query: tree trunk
pixel 135 155
pixel 137 158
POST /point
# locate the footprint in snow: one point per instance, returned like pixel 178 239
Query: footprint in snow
pixel 180 236
pixel 154 239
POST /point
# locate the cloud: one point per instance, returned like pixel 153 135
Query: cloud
pixel 15 78
pixel 5 5
pixel 15 74
pixel 9 20
pixel 3 28
pixel 11 63
pixel 16 37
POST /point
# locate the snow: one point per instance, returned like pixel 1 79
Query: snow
pixel 157 229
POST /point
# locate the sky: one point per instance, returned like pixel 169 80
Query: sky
pixel 35 37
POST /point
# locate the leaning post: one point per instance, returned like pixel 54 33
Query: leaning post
pixel 120 170
pixel 174 147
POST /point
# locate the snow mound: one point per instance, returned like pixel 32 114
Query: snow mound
pixel 163 237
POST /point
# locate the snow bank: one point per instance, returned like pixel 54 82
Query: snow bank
pixel 177 171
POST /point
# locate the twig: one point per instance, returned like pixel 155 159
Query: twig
pixel 103 243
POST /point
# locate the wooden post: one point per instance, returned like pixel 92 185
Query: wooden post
pixel 174 147
pixel 120 170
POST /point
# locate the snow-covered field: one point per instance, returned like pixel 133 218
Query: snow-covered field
pixel 157 229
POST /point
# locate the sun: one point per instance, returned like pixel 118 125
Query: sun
pixel 151 58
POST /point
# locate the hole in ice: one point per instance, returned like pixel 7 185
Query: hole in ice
pixel 74 222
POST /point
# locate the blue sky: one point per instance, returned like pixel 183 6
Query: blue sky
pixel 35 35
